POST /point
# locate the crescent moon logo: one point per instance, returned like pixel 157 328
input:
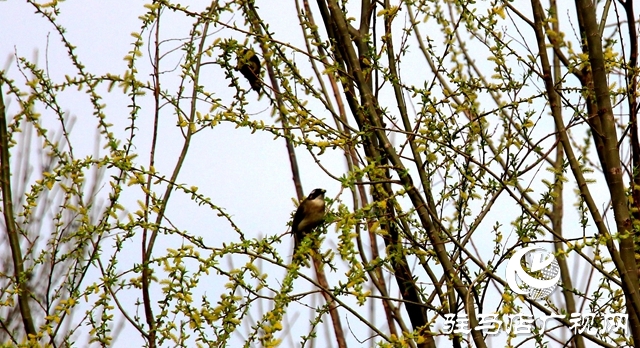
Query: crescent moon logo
pixel 541 261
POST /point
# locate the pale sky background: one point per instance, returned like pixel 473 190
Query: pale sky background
pixel 246 174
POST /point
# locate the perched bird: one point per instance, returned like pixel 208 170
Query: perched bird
pixel 309 215
pixel 249 66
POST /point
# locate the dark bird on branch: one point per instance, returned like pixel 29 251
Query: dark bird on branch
pixel 249 66
pixel 310 214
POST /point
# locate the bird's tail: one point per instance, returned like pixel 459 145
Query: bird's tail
pixel 256 85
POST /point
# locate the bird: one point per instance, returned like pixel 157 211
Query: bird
pixel 249 66
pixel 310 214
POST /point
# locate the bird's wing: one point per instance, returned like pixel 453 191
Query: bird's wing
pixel 255 65
pixel 297 218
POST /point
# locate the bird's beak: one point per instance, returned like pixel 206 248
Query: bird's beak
pixel 324 191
